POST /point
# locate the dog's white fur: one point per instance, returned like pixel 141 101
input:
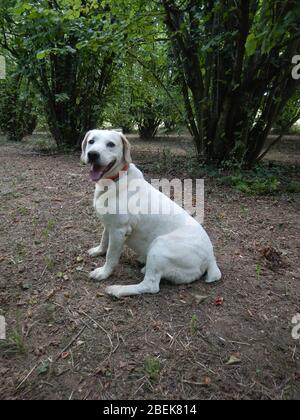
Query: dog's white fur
pixel 175 248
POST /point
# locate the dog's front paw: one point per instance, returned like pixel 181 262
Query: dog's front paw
pixel 100 274
pixel 96 252
pixel 114 291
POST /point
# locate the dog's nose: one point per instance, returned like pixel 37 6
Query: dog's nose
pixel 93 157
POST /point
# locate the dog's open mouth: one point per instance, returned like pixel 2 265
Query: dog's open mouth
pixel 97 172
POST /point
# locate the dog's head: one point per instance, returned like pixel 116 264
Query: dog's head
pixel 106 151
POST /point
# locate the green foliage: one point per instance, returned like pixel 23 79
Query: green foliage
pixel 152 368
pixel 253 185
pixel 258 271
pixel 55 47
pixel 294 187
pixel 290 114
pixel 18 116
pixel 43 368
pixel 144 93
pixel 194 325
pixel 15 342
pixel 222 68
pixel 234 63
pixel 266 178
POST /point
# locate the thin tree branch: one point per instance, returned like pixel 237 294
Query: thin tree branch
pixel 158 80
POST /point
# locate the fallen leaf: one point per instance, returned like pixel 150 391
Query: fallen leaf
pixel 122 364
pixel 200 299
pixel 43 368
pixel 50 294
pixel 219 301
pixel 234 360
pixel 65 355
pixel 207 381
pixel 68 227
pixel 157 325
pixel 26 286
pixel 100 370
pixel 33 301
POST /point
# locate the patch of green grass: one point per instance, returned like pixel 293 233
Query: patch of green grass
pixel 21 249
pixel 194 325
pixel 293 187
pixel 49 228
pixel 50 263
pixel 11 195
pixel 15 342
pixel 245 210
pixel 51 224
pixel 266 178
pixel 23 211
pixel 253 185
pixel 258 271
pixel 152 368
pixel 289 393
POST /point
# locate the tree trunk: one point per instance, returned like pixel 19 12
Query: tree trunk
pixel 232 97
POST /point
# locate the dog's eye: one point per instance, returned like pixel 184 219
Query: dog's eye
pixel 91 141
pixel 110 144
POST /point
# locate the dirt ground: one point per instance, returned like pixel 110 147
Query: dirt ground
pixel 67 340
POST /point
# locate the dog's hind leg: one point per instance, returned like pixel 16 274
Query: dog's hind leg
pixel 150 284
pixel 213 273
pixel 153 274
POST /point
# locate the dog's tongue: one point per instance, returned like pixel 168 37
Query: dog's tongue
pixel 96 173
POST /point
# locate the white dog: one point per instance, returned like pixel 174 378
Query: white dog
pixel 173 246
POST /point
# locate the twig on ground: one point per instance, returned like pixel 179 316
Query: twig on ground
pixel 194 383
pixel 99 326
pixel 70 344
pixel 26 377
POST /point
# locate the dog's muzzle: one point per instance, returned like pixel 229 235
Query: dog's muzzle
pixel 93 157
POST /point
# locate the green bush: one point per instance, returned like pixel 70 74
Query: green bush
pixel 290 115
pixel 17 110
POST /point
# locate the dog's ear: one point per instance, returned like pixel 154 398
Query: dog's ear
pixel 84 144
pixel 126 148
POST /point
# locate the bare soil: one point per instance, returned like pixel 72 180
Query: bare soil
pixel 67 340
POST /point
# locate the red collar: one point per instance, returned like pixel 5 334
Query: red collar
pixel 117 177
